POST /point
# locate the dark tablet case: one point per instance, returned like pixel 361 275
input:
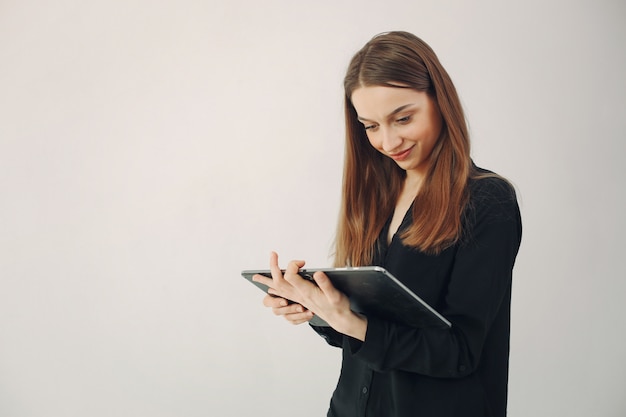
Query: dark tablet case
pixel 372 291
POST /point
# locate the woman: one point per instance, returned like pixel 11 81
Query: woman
pixel 414 203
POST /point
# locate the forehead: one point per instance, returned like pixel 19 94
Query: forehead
pixel 377 101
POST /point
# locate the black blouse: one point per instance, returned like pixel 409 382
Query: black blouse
pixel 462 371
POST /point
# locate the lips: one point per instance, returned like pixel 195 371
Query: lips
pixel 400 156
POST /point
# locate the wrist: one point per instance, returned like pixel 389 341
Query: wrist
pixel 355 326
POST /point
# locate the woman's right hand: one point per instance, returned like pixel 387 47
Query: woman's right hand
pixel 294 313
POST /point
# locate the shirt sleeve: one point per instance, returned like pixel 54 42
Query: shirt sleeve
pixel 332 336
pixel 478 290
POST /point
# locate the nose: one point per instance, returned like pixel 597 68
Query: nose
pixel 390 140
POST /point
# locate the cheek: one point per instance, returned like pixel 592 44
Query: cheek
pixel 415 133
pixel 425 132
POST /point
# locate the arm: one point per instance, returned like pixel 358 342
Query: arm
pixel 477 296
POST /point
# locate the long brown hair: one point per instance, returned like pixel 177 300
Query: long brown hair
pixel 372 182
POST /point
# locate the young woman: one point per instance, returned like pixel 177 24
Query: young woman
pixel 414 203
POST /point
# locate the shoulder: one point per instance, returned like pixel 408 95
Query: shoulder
pixel 491 199
pixel 488 188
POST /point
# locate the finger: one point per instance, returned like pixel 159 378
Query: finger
pixel 294 267
pixel 289 310
pixel 299 318
pixel 262 279
pixel 274 302
pixel 292 272
pixel 274 268
pixel 327 287
pixel 273 259
pixel 281 286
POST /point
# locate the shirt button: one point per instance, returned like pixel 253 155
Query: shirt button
pixel 364 390
pixel 462 368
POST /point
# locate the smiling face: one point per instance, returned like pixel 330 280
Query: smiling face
pixel 401 123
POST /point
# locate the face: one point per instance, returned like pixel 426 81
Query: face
pixel 401 123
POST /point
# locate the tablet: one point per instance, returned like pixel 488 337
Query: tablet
pixel 372 291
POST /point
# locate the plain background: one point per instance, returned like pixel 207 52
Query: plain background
pixel 150 150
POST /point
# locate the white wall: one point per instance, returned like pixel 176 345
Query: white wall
pixel 150 150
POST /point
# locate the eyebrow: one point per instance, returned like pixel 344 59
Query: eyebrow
pixel 396 111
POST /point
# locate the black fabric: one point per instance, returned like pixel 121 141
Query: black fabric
pixel 463 371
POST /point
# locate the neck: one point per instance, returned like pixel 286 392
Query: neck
pixel 413 182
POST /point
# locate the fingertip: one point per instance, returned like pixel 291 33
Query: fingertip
pixel 297 262
pixel 319 277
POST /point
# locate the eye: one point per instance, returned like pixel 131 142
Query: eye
pixel 404 120
pixel 370 127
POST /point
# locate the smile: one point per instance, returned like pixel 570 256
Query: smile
pixel 400 156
